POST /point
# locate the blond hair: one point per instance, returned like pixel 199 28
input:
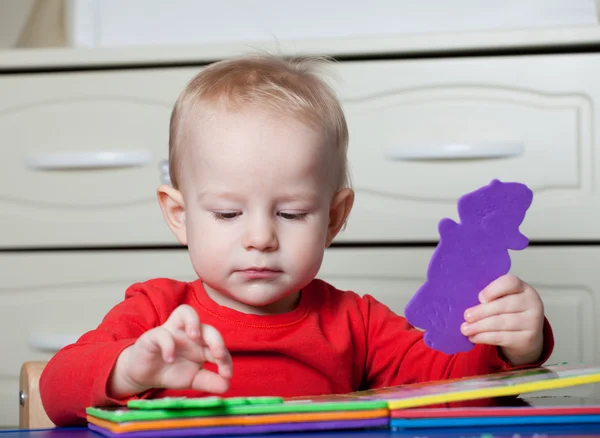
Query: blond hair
pixel 283 86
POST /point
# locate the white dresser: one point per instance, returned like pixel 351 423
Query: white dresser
pixel 84 138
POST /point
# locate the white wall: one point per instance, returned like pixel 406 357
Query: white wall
pixel 13 16
pixel 31 23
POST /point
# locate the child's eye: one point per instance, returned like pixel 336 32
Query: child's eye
pixel 293 216
pixel 225 215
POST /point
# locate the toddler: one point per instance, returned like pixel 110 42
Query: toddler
pixel 259 189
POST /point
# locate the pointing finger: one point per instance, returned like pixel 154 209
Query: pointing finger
pixel 160 341
pixel 218 352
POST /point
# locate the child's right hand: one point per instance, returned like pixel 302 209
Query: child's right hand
pixel 172 356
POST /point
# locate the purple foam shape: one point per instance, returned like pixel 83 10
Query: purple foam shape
pixel 251 429
pixel 468 257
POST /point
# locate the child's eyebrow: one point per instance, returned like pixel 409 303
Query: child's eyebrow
pixel 307 196
pixel 302 195
pixel 232 196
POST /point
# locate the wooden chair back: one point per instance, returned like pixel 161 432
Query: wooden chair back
pixel 31 411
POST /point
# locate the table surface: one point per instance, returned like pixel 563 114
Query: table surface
pixel 590 430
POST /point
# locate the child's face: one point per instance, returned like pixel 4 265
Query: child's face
pixel 258 194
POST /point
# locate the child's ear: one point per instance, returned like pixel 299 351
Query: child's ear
pixel 338 213
pixel 173 208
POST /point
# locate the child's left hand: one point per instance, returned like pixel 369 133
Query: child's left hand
pixel 511 316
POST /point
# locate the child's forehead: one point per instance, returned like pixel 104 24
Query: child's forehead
pixel 253 177
pixel 251 166
pixel 219 133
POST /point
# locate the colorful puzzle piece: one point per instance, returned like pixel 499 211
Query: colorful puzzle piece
pixel 468 257
pixel 181 407
pixel 238 420
pixel 182 416
pixel 251 429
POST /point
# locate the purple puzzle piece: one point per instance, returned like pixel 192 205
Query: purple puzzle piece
pixel 468 257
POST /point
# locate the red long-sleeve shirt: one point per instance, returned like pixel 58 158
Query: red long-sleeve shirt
pixel 333 342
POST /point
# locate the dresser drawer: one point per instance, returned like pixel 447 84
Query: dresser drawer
pixel 424 132
pixel 70 293
pixel 82 154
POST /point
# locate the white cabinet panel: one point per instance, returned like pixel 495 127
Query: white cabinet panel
pixel 425 132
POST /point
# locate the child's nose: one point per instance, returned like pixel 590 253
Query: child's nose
pixel 261 235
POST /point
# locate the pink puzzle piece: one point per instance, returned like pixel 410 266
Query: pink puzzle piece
pixel 468 257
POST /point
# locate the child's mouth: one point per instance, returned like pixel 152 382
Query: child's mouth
pixel 259 273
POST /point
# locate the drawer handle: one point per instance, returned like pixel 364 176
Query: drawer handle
pixel 455 151
pixel 89 160
pixel 51 342
pixel 165 176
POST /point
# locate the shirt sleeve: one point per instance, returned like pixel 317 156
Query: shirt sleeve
pixel 397 354
pixel 76 377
